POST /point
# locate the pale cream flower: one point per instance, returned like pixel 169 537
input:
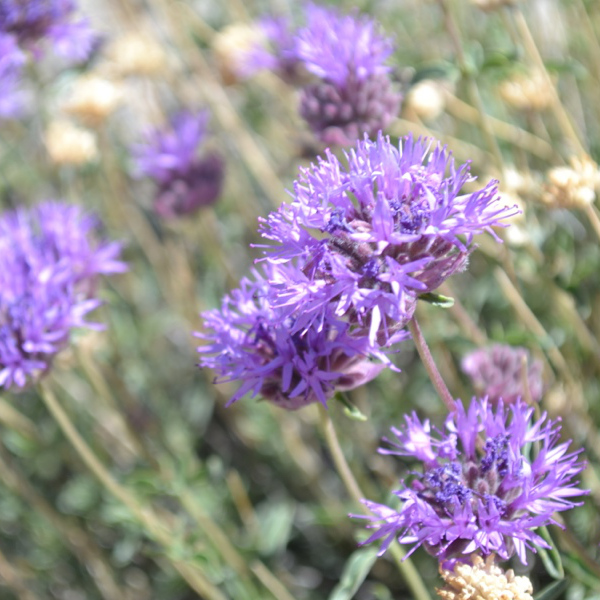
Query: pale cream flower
pixel 68 144
pixel 526 91
pixel 426 99
pixel 92 99
pixel 574 186
pixel 483 580
pixel 136 54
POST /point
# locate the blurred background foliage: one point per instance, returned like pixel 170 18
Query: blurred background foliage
pixel 248 494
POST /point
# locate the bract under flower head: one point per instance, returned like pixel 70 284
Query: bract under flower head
pixel 34 21
pixel 185 181
pixel 49 263
pixel 483 488
pixel 371 235
pixel 252 342
pixel 497 372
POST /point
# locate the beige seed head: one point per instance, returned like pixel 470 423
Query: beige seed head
pixel 92 99
pixel 574 186
pixel 136 54
pixel 68 144
pixel 427 99
pixel 529 92
pixel 230 47
pixel 483 580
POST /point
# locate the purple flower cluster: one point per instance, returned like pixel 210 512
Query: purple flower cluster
pixel 352 94
pixel 185 182
pixel 251 341
pixel 36 21
pixel 11 65
pixel 367 238
pixel 489 480
pixel 50 258
pixel 497 372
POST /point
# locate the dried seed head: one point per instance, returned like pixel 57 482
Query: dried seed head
pixel 426 99
pixel 92 99
pixel 526 91
pixel 483 580
pixel 68 144
pixel 574 186
pixel 231 47
pixel 137 54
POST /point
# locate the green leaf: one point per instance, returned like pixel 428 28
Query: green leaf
pixel 357 567
pixel 552 591
pixel 437 299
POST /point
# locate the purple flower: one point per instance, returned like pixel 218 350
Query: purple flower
pixel 34 21
pixel 484 487
pixel 497 372
pixel 50 259
pixel 185 182
pixel 368 237
pixel 252 342
pixel 11 64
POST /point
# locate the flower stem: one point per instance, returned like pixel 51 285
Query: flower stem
pixel 430 366
pixel 144 515
pixel 405 565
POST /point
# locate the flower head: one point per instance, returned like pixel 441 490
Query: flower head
pixel 252 342
pixel 482 488
pixel 497 372
pixel 50 258
pixel 33 21
pixel 185 181
pixel 370 236
pixel 11 64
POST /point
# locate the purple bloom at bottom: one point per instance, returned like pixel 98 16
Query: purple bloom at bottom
pixel 185 182
pixel 484 486
pixel 497 372
pixel 50 259
pixel 250 341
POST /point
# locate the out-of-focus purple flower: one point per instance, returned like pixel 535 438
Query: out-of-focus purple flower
pixel 11 64
pixel 35 21
pixel 370 237
pixel 251 342
pixel 483 487
pixel 50 259
pixel 354 94
pixel 497 372
pixel 185 182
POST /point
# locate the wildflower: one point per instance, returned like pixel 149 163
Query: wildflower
pixel 483 580
pixel 426 98
pixel 354 94
pixel 93 99
pixel 574 186
pixel 527 92
pixel 497 372
pixel 136 53
pixel 370 237
pixel 34 21
pixel 11 64
pixel 250 341
pixel 185 182
pixel 68 144
pixel 481 489
pixel 50 259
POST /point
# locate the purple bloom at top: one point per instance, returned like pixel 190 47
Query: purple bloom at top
pixel 50 259
pixel 355 95
pixel 250 341
pixel 185 181
pixel 370 235
pixel 484 487
pixel 497 372
pixel 34 21
pixel 11 65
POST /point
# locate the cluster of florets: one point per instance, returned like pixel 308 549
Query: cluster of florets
pixel 50 259
pixel 185 182
pixel 488 481
pixel 351 93
pixel 251 341
pixel 368 237
pixel 502 372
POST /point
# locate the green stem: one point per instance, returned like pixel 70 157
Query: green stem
pixel 430 366
pixel 405 565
